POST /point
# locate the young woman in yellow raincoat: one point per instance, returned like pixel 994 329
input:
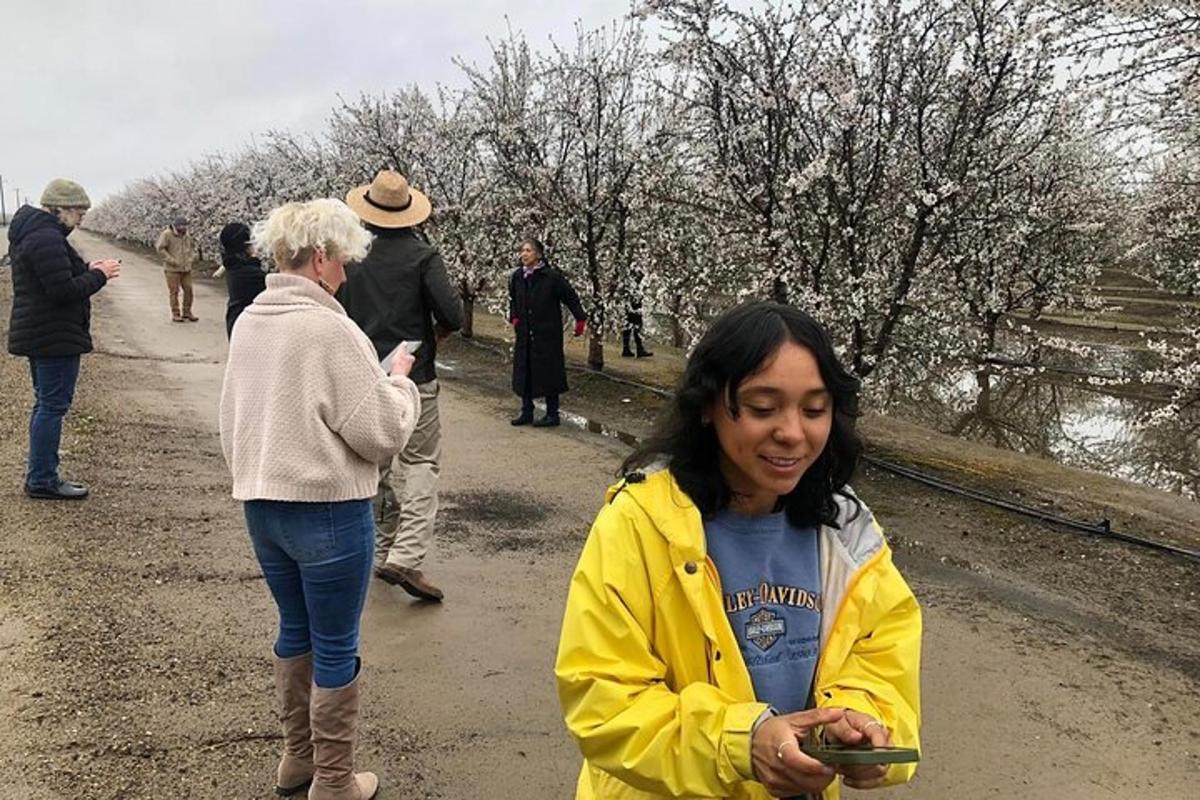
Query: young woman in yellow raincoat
pixel 734 594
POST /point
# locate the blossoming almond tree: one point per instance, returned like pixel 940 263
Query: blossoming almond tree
pixel 866 150
pixel 1151 75
pixel 914 171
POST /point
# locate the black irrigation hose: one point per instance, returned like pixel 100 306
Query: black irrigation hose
pixel 1102 528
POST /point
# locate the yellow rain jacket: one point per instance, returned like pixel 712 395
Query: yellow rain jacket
pixel 650 677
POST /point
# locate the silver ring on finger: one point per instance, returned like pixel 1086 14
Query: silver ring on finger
pixel 783 744
pixel 867 727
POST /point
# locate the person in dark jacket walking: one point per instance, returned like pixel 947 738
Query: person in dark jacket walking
pixel 536 292
pixel 401 292
pixel 244 276
pixel 50 322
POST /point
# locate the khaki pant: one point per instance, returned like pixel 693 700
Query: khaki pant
pixel 175 282
pixel 407 501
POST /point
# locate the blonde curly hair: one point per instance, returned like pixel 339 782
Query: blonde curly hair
pixel 294 232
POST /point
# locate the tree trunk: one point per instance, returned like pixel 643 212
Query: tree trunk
pixel 779 290
pixel 983 403
pixel 595 358
pixel 677 336
pixel 991 321
pixel 468 328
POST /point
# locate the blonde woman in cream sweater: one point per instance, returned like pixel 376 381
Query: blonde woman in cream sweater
pixel 307 414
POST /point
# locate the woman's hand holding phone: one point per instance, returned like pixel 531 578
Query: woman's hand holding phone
pixel 400 361
pixel 779 763
pixel 111 267
pixel 857 728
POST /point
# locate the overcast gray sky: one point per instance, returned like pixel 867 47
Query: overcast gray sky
pixel 107 91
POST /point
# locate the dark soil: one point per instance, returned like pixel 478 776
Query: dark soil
pixel 493 521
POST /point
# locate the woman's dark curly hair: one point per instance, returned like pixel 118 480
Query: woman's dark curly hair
pixel 738 345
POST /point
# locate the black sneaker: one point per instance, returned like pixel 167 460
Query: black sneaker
pixel 523 419
pixel 63 490
pixel 547 422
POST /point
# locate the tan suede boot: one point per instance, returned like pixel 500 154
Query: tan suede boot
pixel 293 687
pixel 334 716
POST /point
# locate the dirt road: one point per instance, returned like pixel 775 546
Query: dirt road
pixel 135 629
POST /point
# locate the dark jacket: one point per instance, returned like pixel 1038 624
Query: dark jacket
pixel 536 303
pixel 398 292
pixel 52 288
pixel 244 278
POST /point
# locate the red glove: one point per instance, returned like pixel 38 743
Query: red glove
pixel 514 321
pixel 579 326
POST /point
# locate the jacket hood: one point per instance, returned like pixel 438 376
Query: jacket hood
pixel 29 219
pixel 678 520
pixel 289 293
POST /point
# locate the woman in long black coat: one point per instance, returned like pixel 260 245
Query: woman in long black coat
pixel 536 294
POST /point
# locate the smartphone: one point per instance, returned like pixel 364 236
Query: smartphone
pixel 411 346
pixel 858 754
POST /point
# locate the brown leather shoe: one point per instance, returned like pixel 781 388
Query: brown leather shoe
pixel 410 580
pixel 190 317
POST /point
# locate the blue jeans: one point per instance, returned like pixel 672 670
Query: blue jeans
pixel 316 558
pixel 54 382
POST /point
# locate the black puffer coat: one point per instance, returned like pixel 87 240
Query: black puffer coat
pixel 244 277
pixel 536 303
pixel 52 288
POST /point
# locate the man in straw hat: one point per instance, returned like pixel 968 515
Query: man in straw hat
pixel 178 251
pixel 50 322
pixel 401 293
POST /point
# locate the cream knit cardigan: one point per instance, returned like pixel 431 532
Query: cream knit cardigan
pixel 307 413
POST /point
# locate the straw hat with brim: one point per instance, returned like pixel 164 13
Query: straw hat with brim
pixel 389 202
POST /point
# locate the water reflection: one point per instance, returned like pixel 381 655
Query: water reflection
pixel 1060 415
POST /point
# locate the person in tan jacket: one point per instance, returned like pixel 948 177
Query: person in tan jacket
pixel 307 414
pixel 178 251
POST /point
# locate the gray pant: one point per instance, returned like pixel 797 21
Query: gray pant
pixel 407 501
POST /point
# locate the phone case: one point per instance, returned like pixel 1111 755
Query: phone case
pixel 834 754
